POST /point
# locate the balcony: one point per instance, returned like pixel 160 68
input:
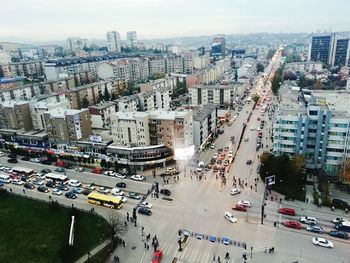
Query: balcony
pixel 286 126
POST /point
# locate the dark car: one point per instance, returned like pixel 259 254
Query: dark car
pixel 50 184
pixel 121 185
pixel 213 160
pixel 62 187
pixel 68 166
pixel 25 158
pixel 339 234
pixel 339 203
pixel 43 189
pixel 134 196
pixel 12 160
pixel 70 195
pixel 47 162
pixel 165 192
pixel 12 156
pixel 45 171
pixel 86 191
pixel 145 211
pixel 25 178
pixel 29 185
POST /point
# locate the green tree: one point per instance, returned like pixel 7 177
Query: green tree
pixel 298 163
pixel 260 67
pixel 103 163
pixel 270 53
pixel 255 98
pixel 276 81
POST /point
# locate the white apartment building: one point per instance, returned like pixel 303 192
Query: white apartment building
pixel 76 43
pixel 128 103
pixel 204 124
pixel 157 65
pixel 304 67
pixel 101 114
pixel 155 99
pixel 201 62
pixel 5 57
pixel 216 94
pixel 167 82
pixel 113 41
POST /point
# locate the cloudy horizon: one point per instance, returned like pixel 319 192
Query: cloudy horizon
pixel 37 20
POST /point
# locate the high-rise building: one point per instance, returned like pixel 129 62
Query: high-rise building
pixel 218 47
pixel 341 52
pixel 321 49
pixel 76 43
pixel 131 38
pixel 113 41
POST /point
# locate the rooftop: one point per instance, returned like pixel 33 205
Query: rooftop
pixel 201 113
pixel 103 105
pixel 62 112
pixel 168 115
pixel 337 100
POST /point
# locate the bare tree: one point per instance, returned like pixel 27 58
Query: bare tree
pixel 115 227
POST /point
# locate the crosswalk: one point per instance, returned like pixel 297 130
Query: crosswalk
pixel 266 233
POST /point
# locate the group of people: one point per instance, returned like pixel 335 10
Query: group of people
pixel 227 257
pixel 271 250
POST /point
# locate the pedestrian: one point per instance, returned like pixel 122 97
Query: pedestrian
pixel 117 259
pixel 214 257
pixel 265 250
pixel 219 259
pixel 11 190
pixel 147 247
pixel 124 243
pixel 126 224
pixel 227 256
pixel 145 244
pixel 127 216
pixel 24 192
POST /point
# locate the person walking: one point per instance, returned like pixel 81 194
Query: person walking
pixel 127 216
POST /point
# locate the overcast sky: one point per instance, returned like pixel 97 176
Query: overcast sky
pixel 59 19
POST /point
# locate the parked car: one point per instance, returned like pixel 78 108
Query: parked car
pixel 338 220
pixel 339 234
pixel 322 242
pixel 120 176
pixel 144 211
pixel 29 185
pixel 308 220
pixel 43 189
pixel 50 184
pixel 146 204
pixel 293 224
pixel 133 195
pixel 245 203
pixel 315 229
pixel 17 181
pixel 46 162
pixel 59 164
pixel 25 158
pixel 70 195
pixel 109 173
pixel 96 170
pixel 12 161
pixel 57 192
pixel 45 171
pixel 59 170
pixel 230 217
pixel 286 211
pixel 35 160
pixel 339 203
pixel 80 169
pixel 165 192
pixel 12 156
pixel 2 154
pixel 74 183
pixel 137 177
pixel 121 185
pixel 249 162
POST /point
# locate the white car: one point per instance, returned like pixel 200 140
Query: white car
pixel 235 191
pixel 74 183
pixel 215 156
pixel 245 203
pixel 40 176
pixel 80 169
pixel 103 190
pixel 117 191
pixel 8 169
pixel 17 181
pixel 2 154
pixel 338 220
pixel 38 181
pixel 230 154
pixel 146 204
pixel 258 129
pixel 246 139
pixel 2 168
pixel 230 217
pixel 56 192
pixel 124 199
pixel 212 146
pixel 109 173
pixel 137 177
pixel 322 242
pixel 252 128
pixel 35 160
pixel 308 220
pixel 120 176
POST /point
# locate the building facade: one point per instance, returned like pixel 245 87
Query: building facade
pixel 321 49
pixel 113 41
pixel 204 124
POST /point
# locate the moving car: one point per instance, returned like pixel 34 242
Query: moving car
pixel 2 154
pixel 339 234
pixel 286 211
pixel 239 208
pixel 133 195
pixel 121 185
pixel 74 183
pixel 322 242
pixel 157 256
pixel 226 163
pixel 230 217
pixel 144 211
pixel 57 192
pixel 62 187
pixel 245 203
pixel 38 182
pixel 246 139
pixel 117 191
pixel 293 224
pixel 80 169
pixel 29 186
pixel 230 154
pixel 308 220
pixel 103 190
pixel 43 189
pixel 59 170
pixel 338 220
pixel 137 177
pixel 165 192
pixel 86 191
pixel 235 191
pixel 315 229
pixel 120 176
pixel 50 184
pixel 17 181
pixel 45 171
pixel 12 160
pixel 77 190
pixel 146 204
pixel 70 195
pixel 226 241
pixel 212 146
pixel 109 173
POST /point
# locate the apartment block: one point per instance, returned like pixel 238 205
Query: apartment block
pixel 216 94
pixel 101 114
pixel 27 69
pixel 64 126
pixel 157 65
pixel 15 115
pixel 128 103
pixel 204 124
pixel 303 67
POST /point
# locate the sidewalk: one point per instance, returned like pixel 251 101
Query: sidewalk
pixel 93 252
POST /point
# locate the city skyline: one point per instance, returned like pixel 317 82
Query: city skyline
pixel 164 18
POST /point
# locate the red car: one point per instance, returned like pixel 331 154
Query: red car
pixel 293 224
pixel 59 164
pixel 239 208
pixel 157 256
pixel 286 211
pixel 97 170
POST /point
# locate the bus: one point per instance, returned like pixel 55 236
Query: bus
pixel 57 178
pixel 22 171
pixel 343 226
pixel 114 202
pixel 4 178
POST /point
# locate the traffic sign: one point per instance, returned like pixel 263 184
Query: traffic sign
pixel 270 180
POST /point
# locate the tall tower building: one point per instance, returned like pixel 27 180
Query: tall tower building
pixel 113 41
pixel 340 55
pixel 218 47
pixel 131 38
pixel 321 48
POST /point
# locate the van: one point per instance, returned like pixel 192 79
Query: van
pixel 4 178
pixel 74 183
